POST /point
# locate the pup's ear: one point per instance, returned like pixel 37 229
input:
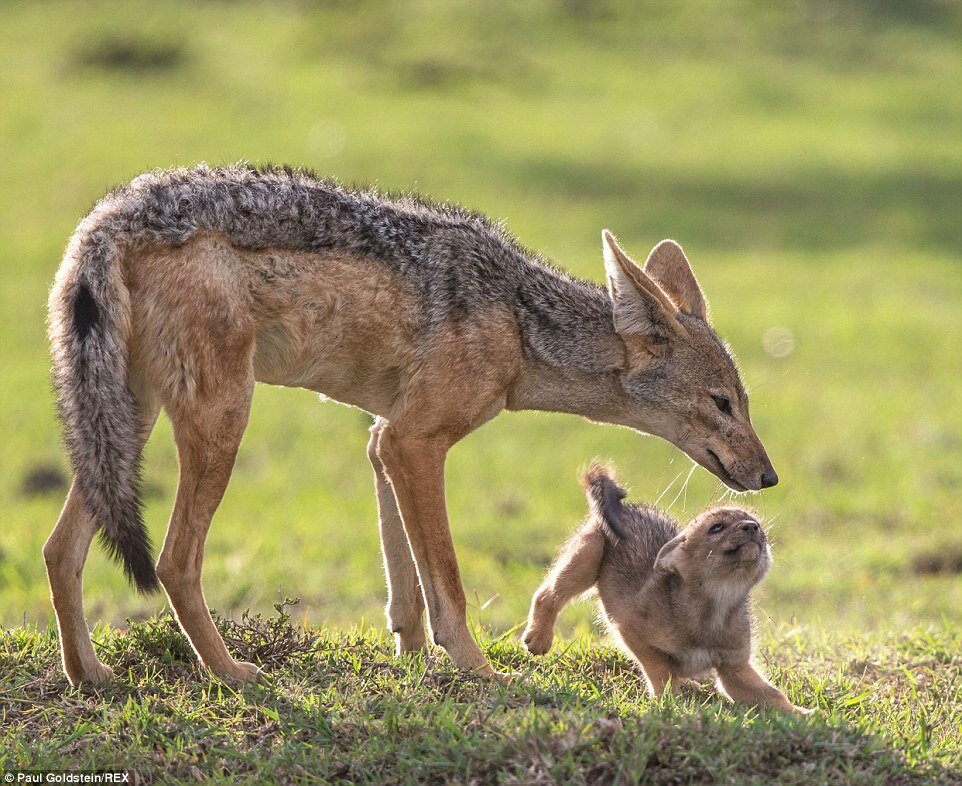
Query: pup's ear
pixel 668 265
pixel 605 500
pixel 641 307
pixel 669 558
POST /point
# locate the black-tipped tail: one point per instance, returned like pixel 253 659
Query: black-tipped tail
pixel 101 418
pixel 605 500
pixel 127 542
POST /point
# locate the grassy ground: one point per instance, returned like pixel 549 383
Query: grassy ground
pixel 807 155
pixel 338 708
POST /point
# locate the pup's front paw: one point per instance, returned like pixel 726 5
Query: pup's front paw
pixel 803 710
pixel 538 640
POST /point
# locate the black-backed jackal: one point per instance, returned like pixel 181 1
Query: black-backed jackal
pixel 184 288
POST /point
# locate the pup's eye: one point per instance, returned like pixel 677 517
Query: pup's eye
pixel 716 528
pixel 723 404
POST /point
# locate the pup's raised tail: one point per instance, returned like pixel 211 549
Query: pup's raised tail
pixel 605 500
pixel 89 325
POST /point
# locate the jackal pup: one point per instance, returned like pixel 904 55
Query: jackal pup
pixel 677 601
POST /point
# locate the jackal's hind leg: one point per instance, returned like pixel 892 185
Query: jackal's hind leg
pixel 208 432
pixel 65 554
pixel 405 603
pixel 575 572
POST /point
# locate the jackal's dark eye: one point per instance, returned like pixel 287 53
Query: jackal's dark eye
pixel 723 404
pixel 714 528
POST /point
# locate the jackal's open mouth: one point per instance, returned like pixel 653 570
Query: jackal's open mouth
pixel 721 472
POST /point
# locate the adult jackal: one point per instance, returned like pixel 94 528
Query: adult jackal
pixel 185 287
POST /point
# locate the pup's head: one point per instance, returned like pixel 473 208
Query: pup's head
pixel 725 549
pixel 679 380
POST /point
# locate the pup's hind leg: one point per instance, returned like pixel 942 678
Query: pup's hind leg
pixel 208 429
pixel 65 553
pixel 405 603
pixel 575 572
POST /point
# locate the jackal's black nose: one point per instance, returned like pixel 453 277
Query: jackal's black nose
pixel 769 479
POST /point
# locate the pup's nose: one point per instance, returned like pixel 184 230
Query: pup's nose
pixel 750 526
pixel 769 479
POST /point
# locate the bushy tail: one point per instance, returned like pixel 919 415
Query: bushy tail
pixel 89 329
pixel 605 500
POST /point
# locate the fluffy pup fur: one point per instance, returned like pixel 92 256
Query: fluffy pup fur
pixel 678 602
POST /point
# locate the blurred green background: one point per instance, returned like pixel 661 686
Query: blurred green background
pixel 807 154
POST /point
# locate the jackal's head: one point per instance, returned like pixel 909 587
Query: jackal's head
pixel 679 380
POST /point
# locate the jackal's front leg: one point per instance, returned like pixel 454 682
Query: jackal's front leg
pixel 415 467
pixel 405 602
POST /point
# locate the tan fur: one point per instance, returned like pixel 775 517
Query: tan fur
pixel 411 448
pixel 681 618
pixel 405 604
pixel 207 321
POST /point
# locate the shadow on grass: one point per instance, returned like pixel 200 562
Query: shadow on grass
pixel 794 207
pixel 131 54
pixel 802 208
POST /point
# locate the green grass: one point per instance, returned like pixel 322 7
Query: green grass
pixel 806 154
pixel 338 708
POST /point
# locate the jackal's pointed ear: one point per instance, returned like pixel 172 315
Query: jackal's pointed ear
pixel 669 558
pixel 668 265
pixel 641 307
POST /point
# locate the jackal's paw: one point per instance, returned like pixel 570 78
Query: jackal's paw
pixel 94 676
pixel 796 710
pixel 538 640
pixel 489 673
pixel 407 644
pixel 241 672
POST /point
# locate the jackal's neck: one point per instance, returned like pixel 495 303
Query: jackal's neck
pixel 546 388
pixel 571 351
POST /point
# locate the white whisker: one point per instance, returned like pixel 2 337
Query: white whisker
pixel 672 483
pixel 684 485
